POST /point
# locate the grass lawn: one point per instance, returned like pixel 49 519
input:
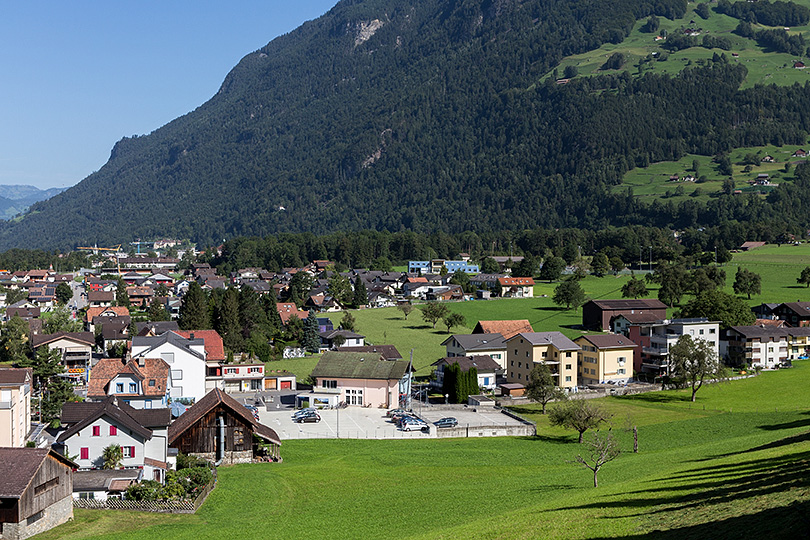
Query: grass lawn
pixel 699 474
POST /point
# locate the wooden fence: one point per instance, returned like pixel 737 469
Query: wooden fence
pixel 166 506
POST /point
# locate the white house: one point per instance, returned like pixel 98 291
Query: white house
pixel 141 433
pixel 185 357
pixel 143 383
pixel 488 370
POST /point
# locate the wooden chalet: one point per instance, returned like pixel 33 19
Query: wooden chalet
pixel 220 429
pixel 36 491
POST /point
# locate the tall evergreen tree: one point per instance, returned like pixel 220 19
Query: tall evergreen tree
pixel 251 313
pixel 121 295
pixel 194 314
pixel 311 340
pixel 227 322
pixel 360 293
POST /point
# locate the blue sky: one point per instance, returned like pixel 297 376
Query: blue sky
pixel 78 76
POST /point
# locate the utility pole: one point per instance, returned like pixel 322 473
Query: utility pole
pixel 650 258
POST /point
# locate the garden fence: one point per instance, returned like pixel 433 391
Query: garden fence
pixel 167 507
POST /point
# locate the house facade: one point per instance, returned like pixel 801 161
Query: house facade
pixel 492 345
pixel 75 348
pixel 186 359
pixel 141 433
pixel 597 314
pixel 516 287
pixel 142 383
pixel 757 346
pixel 605 359
pixel 15 406
pixel 487 370
pixel 525 350
pixel 657 338
pixel 364 379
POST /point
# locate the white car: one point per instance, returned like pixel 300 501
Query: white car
pixel 413 424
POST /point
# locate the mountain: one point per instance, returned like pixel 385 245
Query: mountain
pixel 428 115
pixel 16 199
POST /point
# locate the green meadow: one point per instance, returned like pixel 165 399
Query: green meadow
pixel 732 465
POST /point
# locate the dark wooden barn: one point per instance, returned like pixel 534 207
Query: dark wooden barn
pixel 36 491
pixel 220 429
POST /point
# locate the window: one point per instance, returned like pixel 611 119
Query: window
pixel 527 354
pixel 520 365
pixel 255 385
pixel 151 382
pixel 119 388
pixel 328 384
pixel 231 371
pixel 620 371
pixel 701 331
pixel 519 376
pixel 88 496
pixel 255 370
pixel 96 431
pixel 512 363
pixel 133 388
pixel 568 378
pixel 33 519
pixel 113 431
pixel 545 354
pixel 84 453
pixel 622 360
pixel 567 366
pixel 177 374
pixel 129 451
pixel 168 357
pixel 712 330
pixel 147 404
pixel 50 484
pixel 515 351
pixel 568 355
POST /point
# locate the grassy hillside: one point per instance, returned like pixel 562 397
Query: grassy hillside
pixel 764 66
pixel 736 469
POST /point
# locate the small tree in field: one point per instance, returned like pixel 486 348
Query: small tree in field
pixel 406 309
pixel 579 415
pixel 453 319
pixel 541 388
pixel 601 450
pixel 693 361
pixel 433 312
pixel 804 278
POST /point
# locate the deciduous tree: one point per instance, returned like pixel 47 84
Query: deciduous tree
pixel 453 319
pixel 569 293
pixel 579 415
pixel 635 288
pixel 747 282
pixel 693 361
pixel 601 449
pixel 541 388
pixel 406 309
pixel 804 278
pixel 433 312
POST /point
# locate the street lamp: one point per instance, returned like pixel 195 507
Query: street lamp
pixel 650 258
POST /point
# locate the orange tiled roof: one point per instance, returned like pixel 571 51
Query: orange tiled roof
pixel 108 368
pixel 212 341
pixel 120 311
pixel 505 328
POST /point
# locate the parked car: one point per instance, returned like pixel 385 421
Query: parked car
pixel 253 410
pixel 413 424
pixel 303 411
pixel 392 412
pixel 310 418
pixel 446 422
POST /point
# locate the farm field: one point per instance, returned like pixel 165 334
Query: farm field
pixel 737 468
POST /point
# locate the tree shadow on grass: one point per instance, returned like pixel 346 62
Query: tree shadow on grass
pixel 394 319
pixel 804 422
pixel 659 397
pixel 785 522
pixel 727 483
pixel 420 327
pixel 550 308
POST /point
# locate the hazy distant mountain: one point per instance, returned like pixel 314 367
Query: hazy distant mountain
pixel 432 116
pixel 15 199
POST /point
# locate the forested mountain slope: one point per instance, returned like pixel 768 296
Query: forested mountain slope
pixel 427 115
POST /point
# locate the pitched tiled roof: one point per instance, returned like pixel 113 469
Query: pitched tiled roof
pixel 648 303
pixel 15 376
pixel 482 363
pixel 214 348
pixel 93 312
pixel 87 338
pixel 169 337
pixel 389 352
pixel 344 365
pixel 557 339
pixel 506 328
pixel 102 479
pixel 472 342
pixel 208 402
pixel 516 281
pixel 287 309
pixel 609 341
pixel 154 369
pixel 109 407
pixel 19 465
pixel 156 328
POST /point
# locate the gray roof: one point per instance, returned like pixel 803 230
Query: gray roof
pixel 482 363
pixel 19 465
pixel 557 339
pixel 472 342
pixel 752 332
pixel 349 365
pixel 100 480
pixel 152 342
pixel 330 334
pixel 15 376
pixel 109 407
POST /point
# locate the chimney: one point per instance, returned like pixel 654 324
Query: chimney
pixel 191 336
pixel 141 361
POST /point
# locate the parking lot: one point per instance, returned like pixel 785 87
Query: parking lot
pixel 363 423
